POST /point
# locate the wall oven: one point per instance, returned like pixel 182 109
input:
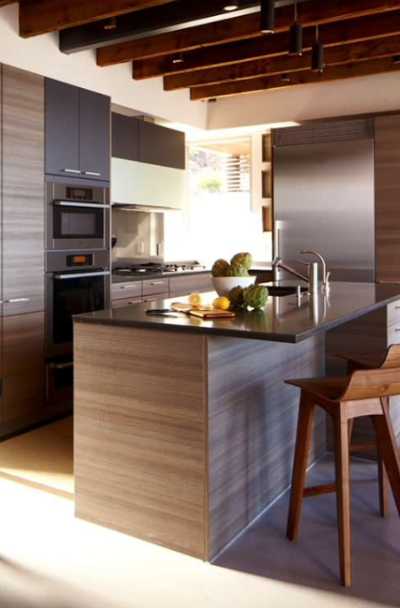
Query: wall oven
pixel 78 217
pixel 76 282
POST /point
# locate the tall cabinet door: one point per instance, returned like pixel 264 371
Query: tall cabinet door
pixel 62 128
pixel 94 135
pixel 387 198
pixel 23 247
pixel 1 261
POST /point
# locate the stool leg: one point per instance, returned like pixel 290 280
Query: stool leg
pixel 388 450
pixel 302 450
pixel 383 488
pixel 343 497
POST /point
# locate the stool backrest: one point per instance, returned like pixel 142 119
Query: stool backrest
pixel 376 383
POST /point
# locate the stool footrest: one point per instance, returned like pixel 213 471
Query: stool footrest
pixel 326 488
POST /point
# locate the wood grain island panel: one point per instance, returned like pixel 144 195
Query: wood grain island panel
pixel 183 439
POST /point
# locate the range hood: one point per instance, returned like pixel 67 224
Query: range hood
pixel 143 186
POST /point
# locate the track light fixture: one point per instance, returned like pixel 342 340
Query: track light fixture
pixel 296 35
pixel 318 54
pixel 267 22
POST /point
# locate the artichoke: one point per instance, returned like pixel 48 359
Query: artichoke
pixel 242 259
pixel 237 270
pixel 221 268
pixel 255 296
pixel 236 297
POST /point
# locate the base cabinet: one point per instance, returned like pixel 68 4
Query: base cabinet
pixel 123 294
pixel 22 237
pixel 23 371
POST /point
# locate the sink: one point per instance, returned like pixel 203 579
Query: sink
pixel 279 291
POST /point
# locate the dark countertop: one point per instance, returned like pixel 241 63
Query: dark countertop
pixel 281 321
pixel 117 278
pixel 161 275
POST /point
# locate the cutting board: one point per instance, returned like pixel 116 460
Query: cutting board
pixel 205 312
pixel 212 314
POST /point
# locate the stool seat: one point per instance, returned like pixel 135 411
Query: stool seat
pixel 323 388
pixel 365 392
pixel 363 360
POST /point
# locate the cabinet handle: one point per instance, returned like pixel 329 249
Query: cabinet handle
pixel 17 300
pixel 74 171
pixel 93 173
pixel 157 283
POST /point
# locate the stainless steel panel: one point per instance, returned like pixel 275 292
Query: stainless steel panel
pixel 324 199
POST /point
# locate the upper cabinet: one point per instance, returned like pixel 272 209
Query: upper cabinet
pixel 77 130
pixel 161 146
pixel 145 142
pixel 125 137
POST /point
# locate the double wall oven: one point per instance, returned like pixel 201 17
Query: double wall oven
pixel 77 271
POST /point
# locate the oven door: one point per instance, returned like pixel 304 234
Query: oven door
pixel 78 225
pixel 69 294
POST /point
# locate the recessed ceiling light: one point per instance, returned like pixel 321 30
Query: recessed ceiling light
pixel 231 7
pixel 177 59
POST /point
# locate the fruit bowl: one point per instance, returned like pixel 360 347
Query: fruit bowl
pixel 223 285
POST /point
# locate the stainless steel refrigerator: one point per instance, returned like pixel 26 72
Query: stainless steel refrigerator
pixel 324 197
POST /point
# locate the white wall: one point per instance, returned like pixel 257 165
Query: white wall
pixel 42 56
pixel 366 94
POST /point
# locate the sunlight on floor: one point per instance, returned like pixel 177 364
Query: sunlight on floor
pixel 42 458
pixel 53 558
pixel 39 534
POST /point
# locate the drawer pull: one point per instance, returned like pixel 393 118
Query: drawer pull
pixel 93 173
pixel 157 283
pixel 17 300
pixel 74 171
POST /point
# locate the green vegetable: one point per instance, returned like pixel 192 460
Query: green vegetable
pixel 221 268
pixel 236 298
pixel 242 259
pixel 238 270
pixel 255 296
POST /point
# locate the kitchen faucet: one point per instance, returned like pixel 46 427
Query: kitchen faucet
pixel 325 274
pixel 278 263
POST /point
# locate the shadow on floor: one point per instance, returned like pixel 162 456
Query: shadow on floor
pixel 313 562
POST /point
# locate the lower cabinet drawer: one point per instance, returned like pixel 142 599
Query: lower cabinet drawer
pixel 121 291
pixel 183 286
pixel 126 302
pixel 393 313
pixel 22 305
pixel 155 286
pixel 393 335
pixel 155 297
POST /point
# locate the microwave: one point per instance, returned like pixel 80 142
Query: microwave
pixel 78 217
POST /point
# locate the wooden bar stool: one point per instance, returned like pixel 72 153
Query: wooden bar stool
pixel 354 362
pixel 364 393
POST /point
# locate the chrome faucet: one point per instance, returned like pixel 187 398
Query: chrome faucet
pixel 279 263
pixel 325 274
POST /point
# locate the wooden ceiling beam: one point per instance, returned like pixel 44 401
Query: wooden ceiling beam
pixel 335 55
pixel 226 89
pixel 43 16
pixel 172 17
pixel 248 26
pixel 346 32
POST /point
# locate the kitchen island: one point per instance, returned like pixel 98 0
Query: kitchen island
pixel 184 428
